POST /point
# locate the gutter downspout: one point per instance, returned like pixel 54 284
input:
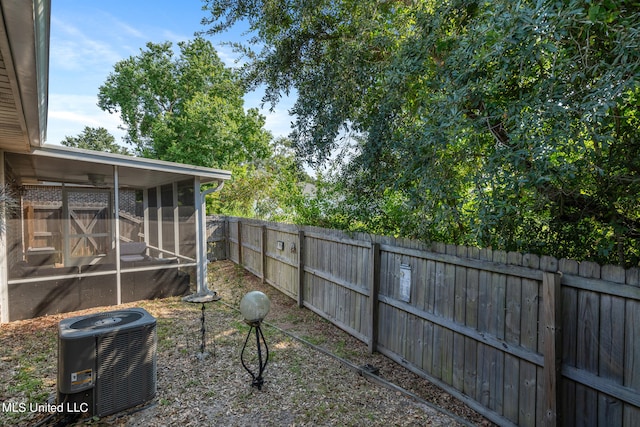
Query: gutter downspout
pixel 116 222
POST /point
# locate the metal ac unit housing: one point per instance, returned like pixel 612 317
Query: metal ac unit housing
pixel 107 361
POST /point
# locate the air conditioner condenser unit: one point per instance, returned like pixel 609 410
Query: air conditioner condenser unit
pixel 107 361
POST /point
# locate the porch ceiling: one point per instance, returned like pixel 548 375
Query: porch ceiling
pixel 51 163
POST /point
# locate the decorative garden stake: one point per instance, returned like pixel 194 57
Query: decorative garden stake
pixel 254 306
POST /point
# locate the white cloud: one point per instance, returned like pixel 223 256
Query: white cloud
pixel 174 37
pixel 72 49
pixel 69 114
pixel 126 31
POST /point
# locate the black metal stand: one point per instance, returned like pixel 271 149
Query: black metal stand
pixel 204 299
pixel 203 332
pixel 257 381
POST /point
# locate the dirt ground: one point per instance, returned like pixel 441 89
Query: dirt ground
pixel 309 378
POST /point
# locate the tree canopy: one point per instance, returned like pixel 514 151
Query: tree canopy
pixel 98 139
pixel 270 189
pixel 506 124
pixel 185 107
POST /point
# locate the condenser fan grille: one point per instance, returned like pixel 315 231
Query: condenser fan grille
pixel 107 320
pixel 126 364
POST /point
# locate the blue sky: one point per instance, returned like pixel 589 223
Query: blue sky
pixel 89 37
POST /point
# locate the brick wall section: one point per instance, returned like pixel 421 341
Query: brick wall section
pixel 52 195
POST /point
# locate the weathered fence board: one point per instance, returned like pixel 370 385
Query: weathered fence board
pixel 631 379
pixel 588 319
pixel 482 324
pixel 528 394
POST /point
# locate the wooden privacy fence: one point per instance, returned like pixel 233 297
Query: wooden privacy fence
pixel 524 340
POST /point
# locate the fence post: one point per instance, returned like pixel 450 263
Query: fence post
pixel 263 253
pixel 227 239
pixel 300 268
pixel 552 349
pixel 239 243
pixel 374 287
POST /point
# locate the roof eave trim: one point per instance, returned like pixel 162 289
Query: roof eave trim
pixel 71 153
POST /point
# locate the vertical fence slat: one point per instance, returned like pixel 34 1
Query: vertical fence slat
pixel 263 253
pixel 631 414
pixel 471 320
pixel 227 243
pixel 301 251
pixel 448 310
pixel 632 349
pixel 512 336
pixel 459 314
pixel 587 343
pixel 497 328
pixel 611 349
pixel 484 318
pixel 239 223
pixel 551 301
pixel 374 288
pixel 569 339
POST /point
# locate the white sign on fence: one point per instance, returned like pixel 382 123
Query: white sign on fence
pixel 405 282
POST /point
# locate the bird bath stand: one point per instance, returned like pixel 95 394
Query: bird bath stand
pixel 202 299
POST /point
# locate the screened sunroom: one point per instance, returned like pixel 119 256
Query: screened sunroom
pixel 92 229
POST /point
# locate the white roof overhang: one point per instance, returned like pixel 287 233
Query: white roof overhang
pixel 52 163
pixel 24 73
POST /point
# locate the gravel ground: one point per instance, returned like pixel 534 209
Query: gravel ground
pixel 304 383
